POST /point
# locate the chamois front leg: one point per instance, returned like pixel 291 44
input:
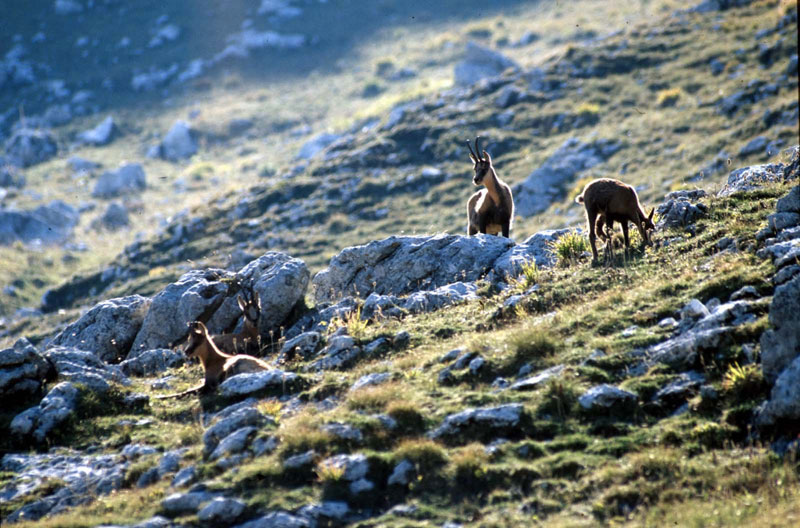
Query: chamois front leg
pixel 506 229
pixel 625 235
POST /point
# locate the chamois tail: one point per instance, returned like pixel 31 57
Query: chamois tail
pixel 579 199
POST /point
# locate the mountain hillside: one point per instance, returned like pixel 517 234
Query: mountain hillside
pixel 161 161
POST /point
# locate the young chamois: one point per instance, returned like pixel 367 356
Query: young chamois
pixel 246 340
pixel 217 365
pixel 490 210
pixel 608 201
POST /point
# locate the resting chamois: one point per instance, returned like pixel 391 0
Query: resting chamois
pixel 246 340
pixel 490 210
pixel 217 365
pixel 608 201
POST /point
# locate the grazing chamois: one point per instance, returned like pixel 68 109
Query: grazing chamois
pixel 490 210
pixel 217 365
pixel 246 340
pixel 608 201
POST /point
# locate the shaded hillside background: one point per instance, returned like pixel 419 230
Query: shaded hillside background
pixel 638 76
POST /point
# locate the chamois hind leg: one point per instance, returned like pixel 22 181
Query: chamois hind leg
pixel 591 216
pixel 608 235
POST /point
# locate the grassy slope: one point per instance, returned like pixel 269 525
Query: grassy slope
pixel 577 469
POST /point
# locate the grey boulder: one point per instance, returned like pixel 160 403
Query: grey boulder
pixel 108 329
pixel 501 420
pixel 128 178
pixel 608 398
pixel 49 224
pixel 178 143
pixel 55 408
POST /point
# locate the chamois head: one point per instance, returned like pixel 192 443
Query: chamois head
pixel 649 225
pixel 250 305
pixel 482 166
pixel 198 334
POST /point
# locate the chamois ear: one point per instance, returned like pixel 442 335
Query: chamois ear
pixel 487 157
pixel 650 216
pixel 242 303
pixel 197 327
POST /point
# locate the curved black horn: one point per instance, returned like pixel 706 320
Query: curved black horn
pixel 472 151
pixel 477 145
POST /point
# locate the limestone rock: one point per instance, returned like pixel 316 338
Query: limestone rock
pixel 608 398
pixel 479 63
pixel 780 345
pixel 501 420
pixel 28 147
pixel 108 329
pixel 404 264
pixel 550 182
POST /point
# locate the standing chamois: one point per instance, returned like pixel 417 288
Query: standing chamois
pixel 608 201
pixel 247 340
pixel 490 210
pixel 217 365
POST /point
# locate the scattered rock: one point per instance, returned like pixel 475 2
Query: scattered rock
pixel 127 179
pixel 102 134
pixel 369 380
pixel 341 352
pixel 178 143
pixel 305 345
pixel 113 218
pixel 402 473
pixel 784 399
pixel 185 503
pixel 277 519
pixel 753 177
pixel 539 379
pixel 28 147
pixel 608 399
pixel 108 329
pixel 549 182
pixel 503 420
pixel 757 145
pixel 236 421
pixel 266 382
pixel 479 63
pixel 317 144
pixel 221 511
pixel 47 224
pixel 536 248
pixel 151 362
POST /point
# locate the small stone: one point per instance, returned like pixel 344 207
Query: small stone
pixel 221 511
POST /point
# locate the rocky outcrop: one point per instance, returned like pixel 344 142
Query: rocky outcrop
pixel 23 371
pixel 79 366
pixel 780 345
pixel 151 362
pixel 404 264
pixel 108 329
pixel 550 181
pixel 753 177
pixel 681 209
pixel 197 295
